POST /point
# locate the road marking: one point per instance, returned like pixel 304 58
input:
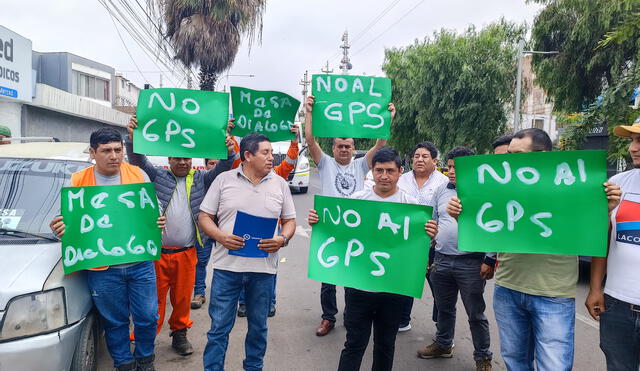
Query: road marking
pixel 588 321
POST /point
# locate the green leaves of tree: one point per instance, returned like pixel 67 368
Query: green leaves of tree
pixel 454 89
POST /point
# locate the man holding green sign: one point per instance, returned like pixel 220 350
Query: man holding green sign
pixel 182 123
pixel 340 176
pixel 351 106
pixel 390 257
pixel 181 190
pixel 121 291
pixel 534 297
pixel 266 112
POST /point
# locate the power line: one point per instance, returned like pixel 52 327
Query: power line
pixel 380 15
pixel 390 27
pixel 141 34
pixel 127 50
pixel 134 32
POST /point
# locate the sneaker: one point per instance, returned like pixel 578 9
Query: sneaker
pixel 484 365
pixel 434 351
pixel 198 301
pixel 272 311
pixel 242 310
pixel 404 328
pixel 180 343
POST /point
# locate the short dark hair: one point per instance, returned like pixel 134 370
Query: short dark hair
pixel 103 136
pixel 333 142
pixel 460 152
pixel 428 146
pixel 251 143
pixel 386 154
pixel 540 140
pixel 505 139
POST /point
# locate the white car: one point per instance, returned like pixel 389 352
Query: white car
pixel 299 178
pixel 47 320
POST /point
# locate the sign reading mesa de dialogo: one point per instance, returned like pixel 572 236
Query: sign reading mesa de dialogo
pixel 15 66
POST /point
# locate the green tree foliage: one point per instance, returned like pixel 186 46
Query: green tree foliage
pixel 454 89
pixel 597 69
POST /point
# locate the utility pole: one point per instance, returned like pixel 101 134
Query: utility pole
pixel 520 55
pixel 305 83
pixel 326 68
pixel 345 63
pixel 160 79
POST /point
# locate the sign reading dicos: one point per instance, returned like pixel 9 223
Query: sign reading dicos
pixel 108 225
pixel 351 106
pixel 533 203
pixel 370 245
pixel 181 123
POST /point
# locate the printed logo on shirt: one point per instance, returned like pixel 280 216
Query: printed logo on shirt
pixel 628 219
pixel 345 184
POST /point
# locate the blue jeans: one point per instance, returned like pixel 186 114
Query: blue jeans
pixel 122 292
pixel 620 334
pixel 273 297
pixel 204 253
pixel 223 306
pixel 536 328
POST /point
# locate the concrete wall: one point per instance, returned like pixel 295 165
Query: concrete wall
pixel 10 116
pixel 40 122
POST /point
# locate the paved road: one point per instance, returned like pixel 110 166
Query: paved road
pixel 294 346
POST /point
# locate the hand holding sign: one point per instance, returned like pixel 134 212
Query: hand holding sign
pixel 108 225
pixel 540 202
pixel 370 245
pixel 270 113
pixel 181 123
pixel 351 106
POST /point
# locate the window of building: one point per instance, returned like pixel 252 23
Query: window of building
pixel 538 124
pixel 90 86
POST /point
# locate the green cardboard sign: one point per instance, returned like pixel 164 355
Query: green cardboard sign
pixel 266 112
pixel 370 245
pixel 539 202
pixel 109 225
pixel 351 106
pixel 181 123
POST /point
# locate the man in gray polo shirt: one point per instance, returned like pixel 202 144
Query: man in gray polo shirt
pixel 454 271
pixel 253 189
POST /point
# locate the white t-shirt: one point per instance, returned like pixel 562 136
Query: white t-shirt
pixel 623 279
pixel 342 181
pixel 399 197
pixel 423 194
pixel 231 192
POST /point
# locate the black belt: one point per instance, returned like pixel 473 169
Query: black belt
pixel 473 255
pixel 173 251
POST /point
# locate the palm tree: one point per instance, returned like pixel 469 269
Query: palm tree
pixel 207 33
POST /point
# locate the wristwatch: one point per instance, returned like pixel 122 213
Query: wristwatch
pixel 286 240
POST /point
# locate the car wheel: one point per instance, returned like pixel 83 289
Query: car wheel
pixel 304 189
pixel 85 357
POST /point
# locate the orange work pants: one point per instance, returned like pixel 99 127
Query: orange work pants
pixel 176 274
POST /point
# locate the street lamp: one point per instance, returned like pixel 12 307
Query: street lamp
pixel 521 54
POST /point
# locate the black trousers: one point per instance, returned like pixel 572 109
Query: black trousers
pixel 328 302
pixel 363 310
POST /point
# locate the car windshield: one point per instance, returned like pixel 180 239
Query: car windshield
pixel 30 196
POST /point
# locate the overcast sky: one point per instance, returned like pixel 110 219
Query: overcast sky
pixel 298 35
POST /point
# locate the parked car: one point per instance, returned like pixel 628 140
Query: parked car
pixel 47 320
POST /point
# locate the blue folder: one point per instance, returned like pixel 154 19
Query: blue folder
pixel 253 229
